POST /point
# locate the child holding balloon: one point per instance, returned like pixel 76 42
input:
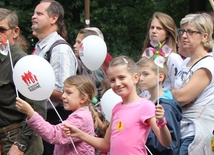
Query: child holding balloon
pixel 132 118
pixel 78 92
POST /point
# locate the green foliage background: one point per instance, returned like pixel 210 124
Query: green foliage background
pixel 123 22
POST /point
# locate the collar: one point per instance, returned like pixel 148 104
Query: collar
pixel 42 43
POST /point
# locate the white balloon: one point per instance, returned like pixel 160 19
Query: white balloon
pixel 93 52
pixel 34 77
pixel 108 101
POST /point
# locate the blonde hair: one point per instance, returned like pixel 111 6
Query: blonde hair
pixel 203 23
pixel 124 60
pixel 131 67
pixel 149 63
pixel 168 25
pixel 84 84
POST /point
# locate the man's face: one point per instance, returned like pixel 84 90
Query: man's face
pixel 41 22
pixel 9 32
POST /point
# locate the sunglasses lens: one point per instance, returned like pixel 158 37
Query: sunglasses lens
pixel 3 30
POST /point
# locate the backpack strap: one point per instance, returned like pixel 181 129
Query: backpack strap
pixel 57 42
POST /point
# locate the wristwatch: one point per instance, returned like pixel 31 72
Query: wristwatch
pixel 20 146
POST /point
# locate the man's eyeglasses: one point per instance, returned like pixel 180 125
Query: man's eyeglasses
pixel 189 32
pixel 3 29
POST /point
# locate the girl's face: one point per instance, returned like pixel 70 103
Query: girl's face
pixel 121 81
pixel 156 30
pixel 71 98
pixel 76 46
pixel 191 42
pixel 148 78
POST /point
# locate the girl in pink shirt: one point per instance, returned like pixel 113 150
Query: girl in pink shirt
pixel 78 92
pixel 132 118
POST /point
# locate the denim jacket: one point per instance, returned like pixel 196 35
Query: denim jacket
pixel 173 115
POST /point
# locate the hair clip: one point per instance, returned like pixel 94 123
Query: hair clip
pixel 80 85
pixel 124 59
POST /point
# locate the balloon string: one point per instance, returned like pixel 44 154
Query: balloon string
pixel 62 121
pixel 11 63
pixel 148 150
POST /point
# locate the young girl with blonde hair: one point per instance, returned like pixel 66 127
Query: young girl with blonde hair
pixel 78 92
pixel 132 119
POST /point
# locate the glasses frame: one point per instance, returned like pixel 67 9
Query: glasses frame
pixel 3 29
pixel 189 32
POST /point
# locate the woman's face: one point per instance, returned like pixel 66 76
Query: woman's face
pixel 157 30
pixel 191 41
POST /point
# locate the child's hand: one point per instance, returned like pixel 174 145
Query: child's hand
pixel 71 130
pixel 24 107
pixel 159 113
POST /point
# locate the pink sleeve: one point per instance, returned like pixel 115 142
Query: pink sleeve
pixel 54 133
pixel 51 133
pixel 148 111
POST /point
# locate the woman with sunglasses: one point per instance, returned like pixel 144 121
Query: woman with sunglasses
pixel 194 83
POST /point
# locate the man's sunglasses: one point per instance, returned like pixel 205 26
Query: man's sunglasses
pixel 3 29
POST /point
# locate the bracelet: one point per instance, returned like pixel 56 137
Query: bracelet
pixel 162 124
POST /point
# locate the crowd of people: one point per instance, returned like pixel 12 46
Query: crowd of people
pixel 167 105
